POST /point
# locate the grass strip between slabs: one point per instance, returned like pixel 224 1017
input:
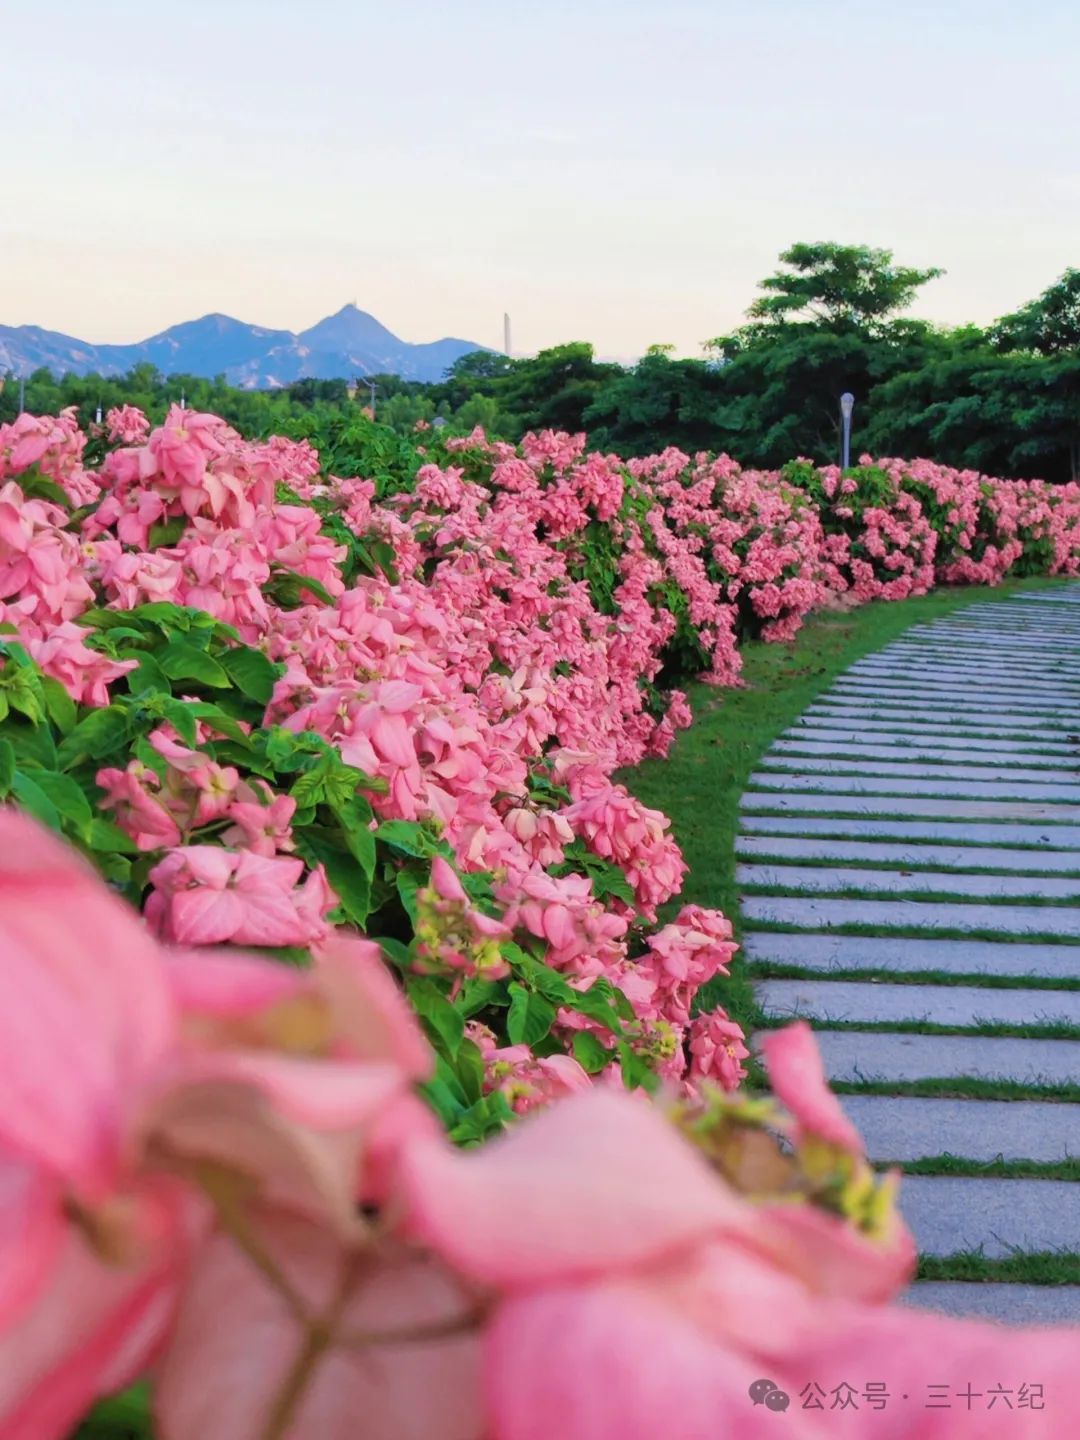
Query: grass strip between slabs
pixel 963 1087
pixel 1034 1267
pixel 878 975
pixel 956 1167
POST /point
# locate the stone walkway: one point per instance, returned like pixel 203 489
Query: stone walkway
pixel 922 820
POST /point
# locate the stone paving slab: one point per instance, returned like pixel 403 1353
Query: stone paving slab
pixel 894 785
pixel 995 637
pixel 943 651
pixel 998 696
pixel 954 654
pixel 1037 637
pixel 908 806
pixel 904 1127
pixel 975 708
pixel 1010 619
pixel 1009 1304
pixel 827 879
pixel 855 748
pixel 904 715
pixel 1052 696
pixel 953 857
pixel 1021 668
pixel 903 954
pixel 854 1055
pixel 918 726
pixel 872 768
pixel 949 1214
pixel 859 742
pixel 1065 837
pixel 812 913
pixel 864 1002
pixel 948 677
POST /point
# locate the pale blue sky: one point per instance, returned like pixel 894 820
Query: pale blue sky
pixel 610 170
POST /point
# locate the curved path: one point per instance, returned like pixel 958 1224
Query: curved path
pixel 909 861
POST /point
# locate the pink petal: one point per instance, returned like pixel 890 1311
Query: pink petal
pixel 599 1180
pixel 215 1386
pixel 205 917
pixel 798 1081
pixel 373 1018
pixel 86 1011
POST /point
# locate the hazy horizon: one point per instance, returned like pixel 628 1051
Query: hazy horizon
pixel 614 172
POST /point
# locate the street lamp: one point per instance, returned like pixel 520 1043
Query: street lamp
pixel 372 387
pixel 847 404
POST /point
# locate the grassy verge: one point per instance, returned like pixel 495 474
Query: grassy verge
pixel 701 782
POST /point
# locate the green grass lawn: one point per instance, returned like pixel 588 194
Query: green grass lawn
pixel 700 783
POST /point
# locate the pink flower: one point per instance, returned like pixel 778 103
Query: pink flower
pixel 798 1080
pixel 206 895
pixel 133 1076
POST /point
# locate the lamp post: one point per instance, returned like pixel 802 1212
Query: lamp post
pixel 372 387
pixel 847 404
pixel 22 393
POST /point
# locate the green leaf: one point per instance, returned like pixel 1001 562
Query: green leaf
pixel 597 1006
pixel 121 1417
pixel 67 798
pixel 530 1016
pixel 181 661
pixel 96 735
pixel 166 532
pixel 359 839
pixel 7 766
pixel 34 800
pixel 253 674
pixel 348 879
pixel 539 976
pixel 410 838
pixel 219 721
pixel 147 675
pixel 165 615
pixel 59 704
pixel 476 995
pixel 407 883
pixel 445 1025
pixel 590 1054
pixel 487 1117
pixel 181 716
pixel 37 487
pixel 470 1070
pixel 102 835
pixel 296 585
pixel 609 879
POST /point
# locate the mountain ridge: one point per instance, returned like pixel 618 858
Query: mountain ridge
pixel 351 342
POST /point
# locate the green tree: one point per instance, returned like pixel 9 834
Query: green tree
pixel 842 287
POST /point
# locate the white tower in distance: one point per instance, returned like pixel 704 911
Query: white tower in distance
pixel 506 334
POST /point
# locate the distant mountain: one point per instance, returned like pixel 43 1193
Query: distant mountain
pixel 352 342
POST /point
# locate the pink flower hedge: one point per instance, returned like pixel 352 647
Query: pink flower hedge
pixel 371 732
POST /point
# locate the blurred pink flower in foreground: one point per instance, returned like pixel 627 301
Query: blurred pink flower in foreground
pixel 213 1168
